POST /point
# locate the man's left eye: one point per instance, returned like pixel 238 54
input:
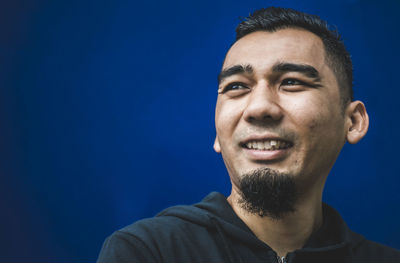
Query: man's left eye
pixel 291 82
pixel 293 85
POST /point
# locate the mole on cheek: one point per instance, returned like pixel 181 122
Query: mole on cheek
pixel 313 124
pixel 317 121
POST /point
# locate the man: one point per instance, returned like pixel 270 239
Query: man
pixel 284 111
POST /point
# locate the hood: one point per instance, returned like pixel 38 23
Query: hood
pixel 215 212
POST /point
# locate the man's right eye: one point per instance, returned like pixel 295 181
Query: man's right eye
pixel 235 86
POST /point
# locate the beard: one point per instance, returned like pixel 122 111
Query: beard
pixel 267 192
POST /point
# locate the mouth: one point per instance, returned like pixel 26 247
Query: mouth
pixel 266 149
pixel 267 145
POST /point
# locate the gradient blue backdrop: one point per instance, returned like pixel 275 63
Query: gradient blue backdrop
pixel 107 108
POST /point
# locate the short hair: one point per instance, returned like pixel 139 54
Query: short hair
pixel 272 19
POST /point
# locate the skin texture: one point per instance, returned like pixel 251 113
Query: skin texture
pixel 289 105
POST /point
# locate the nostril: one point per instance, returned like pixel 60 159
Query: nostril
pixel 264 117
pixel 267 117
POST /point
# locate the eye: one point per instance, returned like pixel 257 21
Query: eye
pixel 292 82
pixel 236 86
pixel 293 85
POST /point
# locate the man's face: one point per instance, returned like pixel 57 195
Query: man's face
pixel 279 107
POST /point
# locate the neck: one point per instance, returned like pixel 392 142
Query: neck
pixel 288 233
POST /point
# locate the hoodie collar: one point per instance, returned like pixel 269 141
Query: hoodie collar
pixel 333 234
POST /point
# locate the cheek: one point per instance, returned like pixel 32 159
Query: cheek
pixel 306 114
pixel 312 105
pixel 227 116
pixel 316 120
pixel 315 124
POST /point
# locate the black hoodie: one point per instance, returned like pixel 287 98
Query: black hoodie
pixel 210 231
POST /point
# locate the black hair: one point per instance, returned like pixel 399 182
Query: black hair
pixel 272 19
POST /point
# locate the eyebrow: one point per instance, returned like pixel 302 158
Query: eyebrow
pixel 234 70
pixel 281 67
pixel 305 69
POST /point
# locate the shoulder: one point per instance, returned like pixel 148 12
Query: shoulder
pixel 156 228
pixel 140 240
pixel 153 239
pixel 372 251
pixel 124 245
pixel 177 234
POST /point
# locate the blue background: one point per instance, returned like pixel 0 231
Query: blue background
pixel 107 116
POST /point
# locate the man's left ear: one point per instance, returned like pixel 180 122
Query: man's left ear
pixel 357 121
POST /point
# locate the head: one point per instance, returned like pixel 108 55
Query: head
pixel 284 108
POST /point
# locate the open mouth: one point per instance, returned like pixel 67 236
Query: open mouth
pixel 267 145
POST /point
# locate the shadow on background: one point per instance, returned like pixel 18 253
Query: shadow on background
pixel 107 116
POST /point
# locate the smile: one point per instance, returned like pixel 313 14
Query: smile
pixel 267 145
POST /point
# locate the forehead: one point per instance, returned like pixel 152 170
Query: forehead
pixel 263 49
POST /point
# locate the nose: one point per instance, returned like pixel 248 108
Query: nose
pixel 263 105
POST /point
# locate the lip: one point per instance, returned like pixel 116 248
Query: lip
pixel 265 155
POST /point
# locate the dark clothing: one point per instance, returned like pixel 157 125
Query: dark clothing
pixel 210 231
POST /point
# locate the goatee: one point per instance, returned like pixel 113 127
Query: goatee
pixel 267 192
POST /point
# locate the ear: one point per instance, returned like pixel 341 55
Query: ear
pixel 217 147
pixel 357 121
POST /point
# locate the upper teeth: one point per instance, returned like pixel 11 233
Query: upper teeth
pixel 267 145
